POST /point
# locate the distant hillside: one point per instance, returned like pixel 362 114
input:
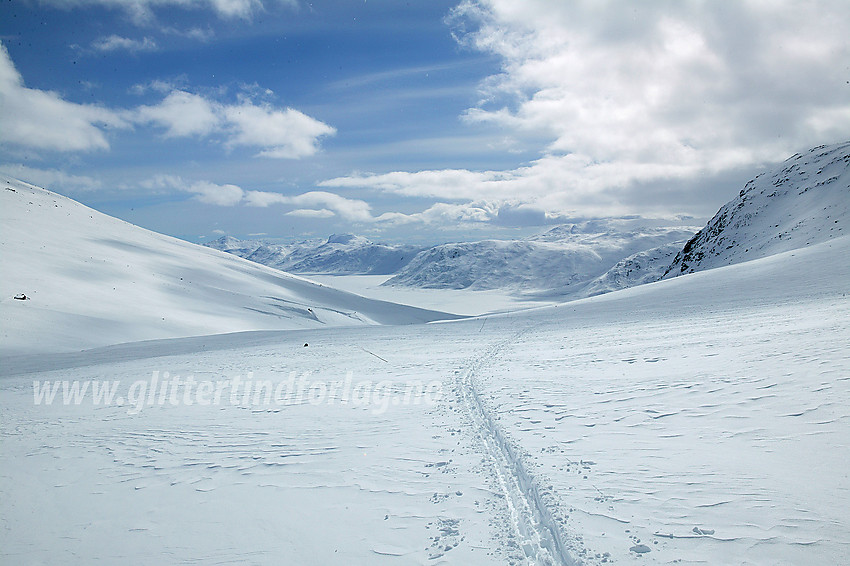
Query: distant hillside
pixel 74 278
pixel 803 202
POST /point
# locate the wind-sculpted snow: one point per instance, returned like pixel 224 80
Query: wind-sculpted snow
pixel 804 202
pixel 92 280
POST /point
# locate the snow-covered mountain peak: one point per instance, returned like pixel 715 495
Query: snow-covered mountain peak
pixel 347 239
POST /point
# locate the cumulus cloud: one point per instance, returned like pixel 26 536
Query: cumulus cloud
pixel 182 114
pixel 277 133
pixel 665 83
pixel 633 94
pixel 44 120
pixel 221 195
pixel 287 133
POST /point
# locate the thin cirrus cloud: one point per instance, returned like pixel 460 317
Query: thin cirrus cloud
pixel 203 191
pixel 311 213
pixel 44 120
pixel 353 210
pixel 143 12
pixel 118 43
pixel 635 93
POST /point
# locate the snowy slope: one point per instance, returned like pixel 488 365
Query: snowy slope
pixel 698 420
pixel 563 260
pixel 339 254
pixel 93 280
pixel 804 202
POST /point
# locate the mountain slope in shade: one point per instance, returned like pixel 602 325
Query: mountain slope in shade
pixel 80 269
pixel 804 202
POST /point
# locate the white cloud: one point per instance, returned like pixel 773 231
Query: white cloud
pixel 221 195
pixel 349 209
pixel 706 85
pixel 286 133
pixel 44 120
pixel 281 134
pixel 313 204
pixel 116 43
pixel 448 183
pixel 182 114
pixel 631 95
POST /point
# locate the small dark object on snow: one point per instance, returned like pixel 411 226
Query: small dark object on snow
pixel 305 344
pixel 21 297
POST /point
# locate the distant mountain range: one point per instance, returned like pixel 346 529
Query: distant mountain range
pixel 560 261
pixel 804 201
pixel 341 254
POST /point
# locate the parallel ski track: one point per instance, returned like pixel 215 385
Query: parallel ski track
pixel 537 530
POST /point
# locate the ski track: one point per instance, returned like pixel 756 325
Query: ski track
pixel 540 537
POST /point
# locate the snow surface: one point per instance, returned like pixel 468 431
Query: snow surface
pixel 699 420
pixel 81 269
pixel 805 201
pixel 458 301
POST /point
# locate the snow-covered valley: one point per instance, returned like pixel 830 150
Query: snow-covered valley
pixel 243 415
pixel 638 422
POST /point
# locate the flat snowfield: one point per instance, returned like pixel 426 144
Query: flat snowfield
pixel 701 420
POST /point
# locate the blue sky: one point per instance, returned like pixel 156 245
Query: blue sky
pixel 423 121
